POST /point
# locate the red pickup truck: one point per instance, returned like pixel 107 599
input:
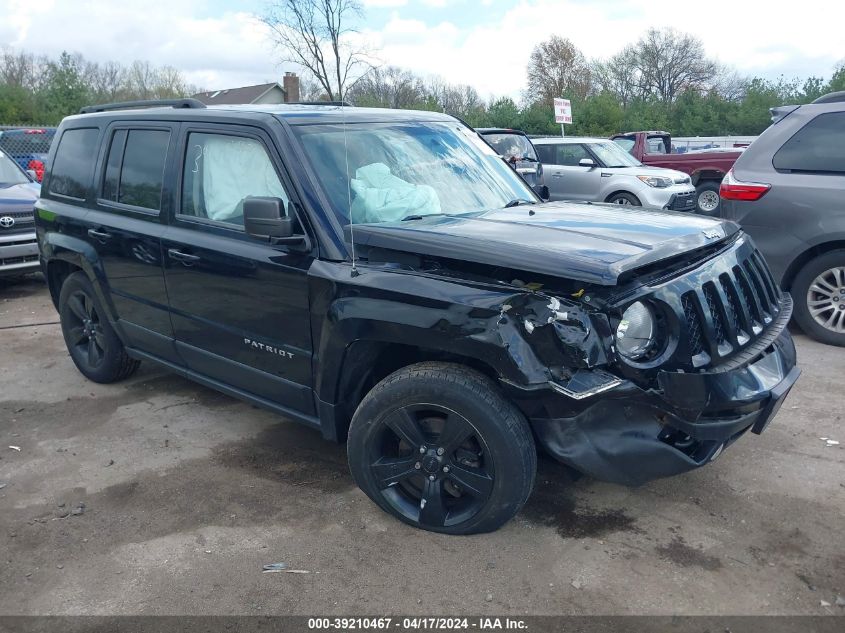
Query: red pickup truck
pixel 706 167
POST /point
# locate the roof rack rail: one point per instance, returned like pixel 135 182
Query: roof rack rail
pixel 151 103
pixel 345 104
pixel 832 97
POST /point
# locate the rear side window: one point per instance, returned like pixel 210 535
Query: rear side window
pixel 73 167
pixel 135 168
pixel 818 147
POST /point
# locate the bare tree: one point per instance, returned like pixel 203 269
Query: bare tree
pixel 317 35
pixel 618 76
pixel 459 100
pixel 670 63
pixel 389 87
pixel 556 69
pixel 21 70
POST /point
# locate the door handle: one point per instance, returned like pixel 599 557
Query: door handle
pixel 185 258
pixel 557 174
pixel 99 235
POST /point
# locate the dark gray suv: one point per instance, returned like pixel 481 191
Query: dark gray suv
pixel 787 190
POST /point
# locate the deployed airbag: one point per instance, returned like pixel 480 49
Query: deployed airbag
pixel 382 197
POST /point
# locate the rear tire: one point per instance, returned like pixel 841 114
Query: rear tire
pixel 627 199
pixel 93 344
pixel 707 201
pixel 438 447
pixel 819 294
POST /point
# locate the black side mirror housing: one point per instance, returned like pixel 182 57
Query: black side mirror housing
pixel 543 192
pixel 265 219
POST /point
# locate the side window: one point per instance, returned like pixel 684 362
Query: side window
pixel 656 145
pixel 73 166
pixel 221 171
pixel 571 154
pixel 546 153
pixel 819 146
pixel 135 168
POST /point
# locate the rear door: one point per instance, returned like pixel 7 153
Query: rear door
pixel 239 306
pixel 125 227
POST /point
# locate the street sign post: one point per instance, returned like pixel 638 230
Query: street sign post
pixel 563 113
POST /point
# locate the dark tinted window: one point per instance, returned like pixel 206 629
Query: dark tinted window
pixel 73 166
pixel 570 154
pixel 818 147
pixel 112 179
pixel 546 153
pixel 142 174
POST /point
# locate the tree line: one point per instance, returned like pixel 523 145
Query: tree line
pixel 40 90
pixel 664 80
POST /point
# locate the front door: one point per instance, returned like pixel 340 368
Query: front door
pixel 566 179
pixel 239 306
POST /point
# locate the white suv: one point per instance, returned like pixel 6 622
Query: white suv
pixel 598 170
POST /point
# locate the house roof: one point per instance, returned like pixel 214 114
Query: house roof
pixel 231 96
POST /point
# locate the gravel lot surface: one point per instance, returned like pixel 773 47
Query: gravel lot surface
pixel 159 496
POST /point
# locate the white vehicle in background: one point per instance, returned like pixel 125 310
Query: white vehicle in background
pixel 598 170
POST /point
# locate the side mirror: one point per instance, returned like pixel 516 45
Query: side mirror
pixel 543 192
pixel 31 173
pixel 264 220
pixel 587 162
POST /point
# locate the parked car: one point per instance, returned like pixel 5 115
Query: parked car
pixel 382 276
pixel 786 190
pixel 516 148
pixel 705 168
pixel 18 246
pixel 598 170
pixel 28 148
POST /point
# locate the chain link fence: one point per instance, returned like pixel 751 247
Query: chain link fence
pixel 27 146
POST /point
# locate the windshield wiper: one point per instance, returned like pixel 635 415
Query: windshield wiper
pixel 516 202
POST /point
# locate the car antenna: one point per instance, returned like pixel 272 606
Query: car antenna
pixel 354 271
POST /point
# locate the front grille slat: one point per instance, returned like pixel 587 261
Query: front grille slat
pixel 711 328
pixel 730 310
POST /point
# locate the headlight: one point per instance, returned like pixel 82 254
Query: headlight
pixel 635 333
pixel 656 181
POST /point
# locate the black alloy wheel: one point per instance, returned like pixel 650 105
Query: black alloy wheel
pixel 438 446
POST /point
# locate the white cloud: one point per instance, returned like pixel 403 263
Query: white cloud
pixel 231 48
pixel 227 50
pixel 381 4
pixel 492 55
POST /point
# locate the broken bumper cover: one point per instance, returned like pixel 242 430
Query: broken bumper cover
pixel 628 435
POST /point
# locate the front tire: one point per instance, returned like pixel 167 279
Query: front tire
pixel 626 199
pixel 437 446
pixel 707 200
pixel 93 344
pixel 819 294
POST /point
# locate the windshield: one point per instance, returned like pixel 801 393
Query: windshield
pixel 401 170
pixel 612 155
pixel 9 172
pixel 625 142
pixel 512 145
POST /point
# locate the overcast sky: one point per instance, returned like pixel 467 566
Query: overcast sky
pixel 485 43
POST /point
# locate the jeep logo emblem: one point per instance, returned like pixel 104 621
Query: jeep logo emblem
pixel 7 221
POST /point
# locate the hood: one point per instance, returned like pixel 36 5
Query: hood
pixel 643 170
pixel 20 197
pixel 593 243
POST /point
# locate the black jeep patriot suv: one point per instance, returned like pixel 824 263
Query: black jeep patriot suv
pixel 384 277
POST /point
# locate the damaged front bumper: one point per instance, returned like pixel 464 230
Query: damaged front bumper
pixel 613 430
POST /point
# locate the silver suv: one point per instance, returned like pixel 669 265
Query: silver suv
pixel 787 190
pixel 598 170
